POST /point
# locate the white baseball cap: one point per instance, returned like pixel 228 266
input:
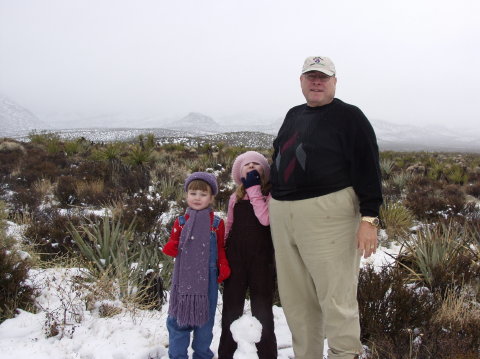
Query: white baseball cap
pixel 319 63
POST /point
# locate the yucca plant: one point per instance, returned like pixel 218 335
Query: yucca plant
pixel 105 242
pixel 456 174
pixel 112 249
pixel 386 167
pixel 401 179
pixel 396 218
pixel 138 155
pixel 110 152
pixel 434 252
pixel 170 189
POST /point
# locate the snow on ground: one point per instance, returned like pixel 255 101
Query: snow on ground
pixel 84 334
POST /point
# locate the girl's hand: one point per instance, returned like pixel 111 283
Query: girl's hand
pixel 253 179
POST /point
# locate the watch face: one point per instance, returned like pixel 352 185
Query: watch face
pixel 375 221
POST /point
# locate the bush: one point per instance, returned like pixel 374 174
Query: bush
pixel 112 248
pixel 400 320
pixel 66 190
pixel 396 219
pixel 473 190
pixel 146 210
pixel 390 311
pixel 437 256
pixel 49 235
pixel 14 290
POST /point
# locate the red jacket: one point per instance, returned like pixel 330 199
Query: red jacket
pixel 171 247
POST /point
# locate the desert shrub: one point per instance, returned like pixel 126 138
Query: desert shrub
pixel 171 189
pixel 49 235
pixel 424 198
pixel 135 179
pixel 221 199
pixel 386 167
pixel 473 190
pixel 14 290
pixel 390 191
pixel 91 192
pixel 24 198
pixel 454 198
pixel 43 187
pixel 66 190
pixel 43 137
pixel 390 311
pixel 396 219
pixel 110 152
pixel 173 147
pixel 437 257
pixel 401 320
pixel 35 168
pixel 112 248
pixel 138 155
pixel 146 210
pixel 14 266
pixel 11 154
pixel 77 146
pixel 456 174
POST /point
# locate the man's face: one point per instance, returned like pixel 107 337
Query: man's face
pixel 318 88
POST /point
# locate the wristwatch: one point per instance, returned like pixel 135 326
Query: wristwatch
pixel 374 221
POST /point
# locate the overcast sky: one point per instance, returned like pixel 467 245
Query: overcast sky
pixel 402 61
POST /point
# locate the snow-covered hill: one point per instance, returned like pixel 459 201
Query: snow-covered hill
pixel 15 119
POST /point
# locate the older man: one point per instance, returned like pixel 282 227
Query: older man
pixel 326 194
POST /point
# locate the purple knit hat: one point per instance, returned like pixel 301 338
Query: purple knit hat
pixel 247 157
pixel 203 176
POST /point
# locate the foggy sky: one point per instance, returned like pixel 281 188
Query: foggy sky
pixel 410 61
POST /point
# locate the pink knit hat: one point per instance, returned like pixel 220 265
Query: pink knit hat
pixel 247 157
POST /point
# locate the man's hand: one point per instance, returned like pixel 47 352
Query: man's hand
pixel 367 240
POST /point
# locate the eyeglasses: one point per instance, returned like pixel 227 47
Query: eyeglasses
pixel 319 76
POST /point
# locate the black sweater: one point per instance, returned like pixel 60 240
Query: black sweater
pixel 320 150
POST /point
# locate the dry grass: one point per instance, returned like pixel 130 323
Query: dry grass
pixel 43 187
pixel 83 188
pixel 457 309
pixel 8 146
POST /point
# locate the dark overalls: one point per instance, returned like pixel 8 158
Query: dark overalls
pixel 250 254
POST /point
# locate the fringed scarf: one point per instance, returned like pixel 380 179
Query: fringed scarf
pixel 189 293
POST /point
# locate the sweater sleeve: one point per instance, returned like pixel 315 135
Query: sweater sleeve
pixel 260 204
pixel 171 247
pixel 365 167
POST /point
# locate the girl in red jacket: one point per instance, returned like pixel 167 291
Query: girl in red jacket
pixel 249 251
pixel 197 243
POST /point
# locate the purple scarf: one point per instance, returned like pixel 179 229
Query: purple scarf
pixel 189 293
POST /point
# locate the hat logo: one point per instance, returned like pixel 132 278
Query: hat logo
pixel 317 60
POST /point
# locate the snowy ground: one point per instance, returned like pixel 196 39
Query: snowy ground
pixel 85 334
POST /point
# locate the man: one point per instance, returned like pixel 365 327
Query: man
pixel 326 194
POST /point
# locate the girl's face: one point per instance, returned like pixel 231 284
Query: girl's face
pixel 249 167
pixel 198 199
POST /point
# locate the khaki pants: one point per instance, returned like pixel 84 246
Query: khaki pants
pixel 317 265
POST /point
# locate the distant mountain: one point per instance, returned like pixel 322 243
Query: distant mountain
pixel 15 119
pixel 195 122
pixel 400 137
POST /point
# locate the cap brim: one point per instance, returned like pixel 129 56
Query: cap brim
pixel 326 72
